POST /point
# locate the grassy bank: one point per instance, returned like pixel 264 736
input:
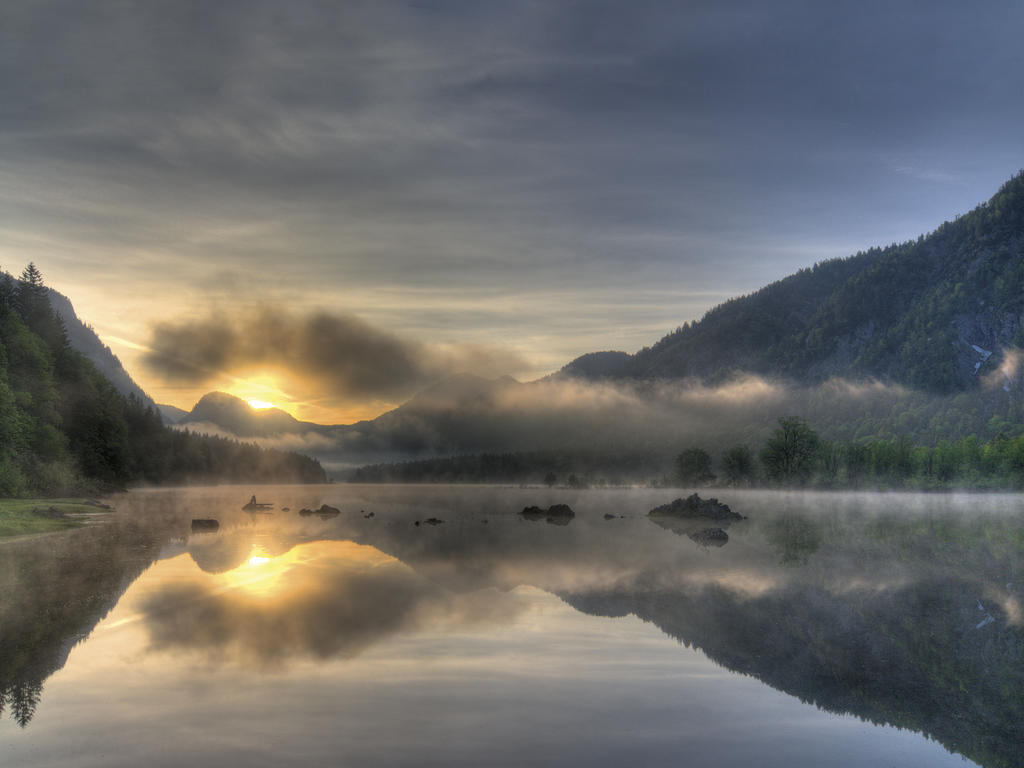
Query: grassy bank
pixel 19 517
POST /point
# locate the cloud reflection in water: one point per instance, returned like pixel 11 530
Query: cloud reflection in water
pixel 320 600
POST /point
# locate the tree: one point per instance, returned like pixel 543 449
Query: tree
pixel 830 457
pixel 32 301
pixel 738 465
pixel 788 456
pixel 31 291
pixel 693 467
pixel 550 479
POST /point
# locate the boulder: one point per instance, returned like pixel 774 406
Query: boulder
pixel 694 506
pixel 533 513
pixel 556 514
pixel 326 511
pixel 560 510
pixel 204 525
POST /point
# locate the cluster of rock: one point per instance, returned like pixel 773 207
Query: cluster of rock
pixel 693 506
pixel 687 517
pixel 326 512
pixel 556 514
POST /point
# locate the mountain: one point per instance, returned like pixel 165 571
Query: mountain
pixel 241 419
pixel 169 414
pixel 935 314
pixel 83 338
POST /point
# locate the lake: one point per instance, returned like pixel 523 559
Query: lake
pixel 827 630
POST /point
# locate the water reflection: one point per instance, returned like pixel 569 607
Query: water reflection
pixel 321 600
pixel 899 610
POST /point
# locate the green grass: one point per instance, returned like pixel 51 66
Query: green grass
pixel 18 519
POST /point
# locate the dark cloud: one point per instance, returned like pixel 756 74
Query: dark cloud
pixel 514 147
pixel 322 355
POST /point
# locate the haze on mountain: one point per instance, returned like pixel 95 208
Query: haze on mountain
pixel 918 339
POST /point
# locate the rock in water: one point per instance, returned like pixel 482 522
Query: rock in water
pixel 556 514
pixel 533 513
pixel 204 525
pixel 694 506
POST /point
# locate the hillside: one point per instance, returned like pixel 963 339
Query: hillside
pixel 64 427
pixel 935 314
pixel 83 338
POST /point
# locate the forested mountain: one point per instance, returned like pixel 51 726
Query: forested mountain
pixel 934 314
pixel 65 427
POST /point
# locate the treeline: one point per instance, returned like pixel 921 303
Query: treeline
pixel 64 428
pixel 794 455
pixel 562 468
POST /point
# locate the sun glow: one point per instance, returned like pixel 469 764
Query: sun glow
pixel 264 576
pixel 260 405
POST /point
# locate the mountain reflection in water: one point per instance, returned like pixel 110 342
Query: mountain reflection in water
pixel 900 610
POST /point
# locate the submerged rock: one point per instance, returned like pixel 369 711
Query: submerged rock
pixel 710 537
pixel 257 506
pixel 694 506
pixel 325 512
pixel 560 510
pixel 556 514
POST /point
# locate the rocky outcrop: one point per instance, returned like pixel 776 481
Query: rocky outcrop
pixel 326 512
pixel 693 507
pixel 556 514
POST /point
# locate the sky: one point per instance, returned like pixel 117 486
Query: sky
pixel 495 187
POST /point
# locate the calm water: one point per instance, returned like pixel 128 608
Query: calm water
pixel 830 630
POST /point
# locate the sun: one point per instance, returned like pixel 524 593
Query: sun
pixel 259 405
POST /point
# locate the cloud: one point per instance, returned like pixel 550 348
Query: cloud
pixel 320 354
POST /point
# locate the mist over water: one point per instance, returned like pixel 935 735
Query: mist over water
pixel 859 624
pixel 653 420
